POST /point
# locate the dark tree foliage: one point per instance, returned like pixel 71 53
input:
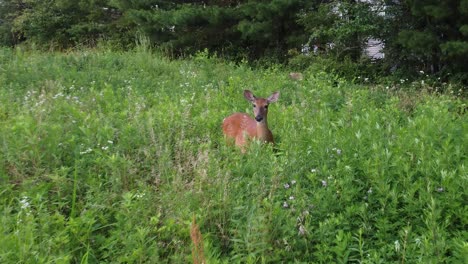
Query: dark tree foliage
pixel 249 28
pixel 342 28
pixel 179 25
pixel 271 27
pixel 418 35
pixel 9 10
pixel 59 23
pixel 429 35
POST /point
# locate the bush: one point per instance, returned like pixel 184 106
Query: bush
pixel 108 157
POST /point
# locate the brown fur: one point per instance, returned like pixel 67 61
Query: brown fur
pixel 241 127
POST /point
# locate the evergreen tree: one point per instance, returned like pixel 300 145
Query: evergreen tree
pixel 253 28
pixel 182 26
pixel 9 10
pixel 342 28
pixel 62 23
pixel 271 28
pixel 429 35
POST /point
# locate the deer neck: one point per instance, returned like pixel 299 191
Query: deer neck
pixel 263 133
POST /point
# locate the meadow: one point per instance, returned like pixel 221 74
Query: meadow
pixel 108 157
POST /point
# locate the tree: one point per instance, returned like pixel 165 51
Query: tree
pixel 343 26
pixel 181 26
pixel 253 28
pixel 429 35
pixel 271 28
pixel 9 10
pixel 61 23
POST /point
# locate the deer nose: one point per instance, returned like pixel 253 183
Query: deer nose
pixel 259 118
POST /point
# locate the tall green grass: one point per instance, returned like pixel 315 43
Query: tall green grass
pixel 107 157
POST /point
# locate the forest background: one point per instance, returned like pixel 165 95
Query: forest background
pixel 111 147
pixel 418 37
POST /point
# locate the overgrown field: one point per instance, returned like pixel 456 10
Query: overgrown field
pixel 108 157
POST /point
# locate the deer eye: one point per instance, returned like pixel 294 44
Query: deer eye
pixel 266 106
pixel 254 105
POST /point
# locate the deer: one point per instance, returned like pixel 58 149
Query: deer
pixel 297 76
pixel 241 127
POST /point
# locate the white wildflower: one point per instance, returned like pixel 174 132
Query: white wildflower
pixel 418 242
pixel 87 151
pixel 397 246
pixel 24 203
pixel 324 183
pixel 337 150
pixel 302 230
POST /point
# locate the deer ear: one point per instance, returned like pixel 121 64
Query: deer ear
pixel 273 97
pixel 249 96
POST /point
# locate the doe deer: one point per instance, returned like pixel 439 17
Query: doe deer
pixel 241 127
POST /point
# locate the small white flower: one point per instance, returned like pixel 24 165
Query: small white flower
pixel 418 242
pixel 337 150
pixel 24 203
pixel 324 183
pixel 285 205
pixel 87 151
pixel 293 182
pixel 104 147
pixel 139 195
pixel 110 141
pixel 57 96
pixel 286 186
pixel 302 230
pixel 291 197
pixel 313 170
pixel 370 190
pixel 397 245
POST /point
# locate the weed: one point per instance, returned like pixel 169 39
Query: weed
pixel 104 156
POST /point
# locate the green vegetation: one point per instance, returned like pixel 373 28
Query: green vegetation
pixel 419 35
pixel 107 157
